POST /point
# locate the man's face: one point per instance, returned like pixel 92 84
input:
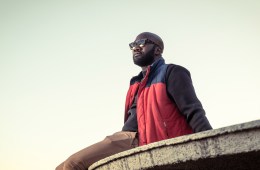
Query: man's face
pixel 143 55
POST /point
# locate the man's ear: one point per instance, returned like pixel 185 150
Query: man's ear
pixel 158 51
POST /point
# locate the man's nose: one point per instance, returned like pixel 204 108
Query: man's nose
pixel 137 48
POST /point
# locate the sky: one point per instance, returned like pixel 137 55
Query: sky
pixel 65 68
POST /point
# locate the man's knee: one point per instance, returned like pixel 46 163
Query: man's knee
pixel 74 163
pixel 60 167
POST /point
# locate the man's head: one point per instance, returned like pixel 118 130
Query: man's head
pixel 146 48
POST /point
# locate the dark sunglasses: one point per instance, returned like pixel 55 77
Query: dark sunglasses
pixel 140 43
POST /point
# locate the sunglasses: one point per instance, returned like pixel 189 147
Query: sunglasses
pixel 140 43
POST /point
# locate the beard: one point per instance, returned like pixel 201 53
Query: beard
pixel 145 59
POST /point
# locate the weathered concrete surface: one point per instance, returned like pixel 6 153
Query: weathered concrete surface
pixel 234 147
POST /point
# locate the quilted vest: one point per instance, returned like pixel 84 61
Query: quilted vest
pixel 158 117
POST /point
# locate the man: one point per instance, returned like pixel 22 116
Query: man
pixel 160 104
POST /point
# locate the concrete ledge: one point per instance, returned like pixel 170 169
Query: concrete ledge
pixel 234 147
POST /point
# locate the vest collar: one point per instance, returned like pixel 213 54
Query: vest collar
pixel 157 63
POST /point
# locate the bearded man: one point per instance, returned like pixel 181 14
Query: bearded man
pixel 161 103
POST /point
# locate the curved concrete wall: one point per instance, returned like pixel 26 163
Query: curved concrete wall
pixel 234 147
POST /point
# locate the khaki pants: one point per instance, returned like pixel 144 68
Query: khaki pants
pixel 118 142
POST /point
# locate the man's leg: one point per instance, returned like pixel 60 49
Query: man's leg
pixel 118 142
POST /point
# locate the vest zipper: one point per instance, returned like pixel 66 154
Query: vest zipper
pixel 165 125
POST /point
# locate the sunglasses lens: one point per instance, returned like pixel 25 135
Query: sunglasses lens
pixel 139 43
pixel 132 45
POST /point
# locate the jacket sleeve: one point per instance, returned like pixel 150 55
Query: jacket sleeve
pixel 180 89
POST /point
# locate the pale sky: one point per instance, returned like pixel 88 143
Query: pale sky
pixel 65 67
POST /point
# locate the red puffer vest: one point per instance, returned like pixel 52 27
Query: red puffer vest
pixel 157 115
